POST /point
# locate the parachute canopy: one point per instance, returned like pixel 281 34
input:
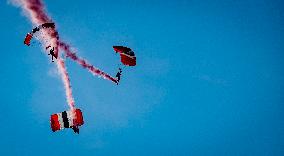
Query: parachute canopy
pixel 29 36
pixel 66 119
pixel 127 56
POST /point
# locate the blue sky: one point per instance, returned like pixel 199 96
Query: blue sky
pixel 209 79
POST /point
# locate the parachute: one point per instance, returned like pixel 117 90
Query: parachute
pixel 29 36
pixel 127 56
pixel 67 119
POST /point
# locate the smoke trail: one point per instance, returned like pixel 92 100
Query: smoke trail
pixel 66 80
pixel 95 71
pixel 37 15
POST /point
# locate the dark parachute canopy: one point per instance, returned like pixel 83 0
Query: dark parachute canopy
pixel 127 56
pixel 30 35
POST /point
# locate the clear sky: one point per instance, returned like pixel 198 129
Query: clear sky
pixel 209 79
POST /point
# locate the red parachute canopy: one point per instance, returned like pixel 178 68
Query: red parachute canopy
pixel 29 36
pixel 66 119
pixel 127 56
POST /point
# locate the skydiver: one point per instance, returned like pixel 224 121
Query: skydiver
pixel 51 52
pixel 118 74
pixel 75 129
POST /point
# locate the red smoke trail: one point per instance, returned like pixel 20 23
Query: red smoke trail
pixel 37 15
pixel 66 48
